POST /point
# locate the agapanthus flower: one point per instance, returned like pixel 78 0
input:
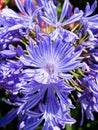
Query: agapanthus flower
pixel 46 70
pixel 11 52
pixel 10 28
pixel 89 97
pixel 50 59
pixel 91 56
pixel 29 11
pixel 51 18
pixel 10 76
pixel 41 2
pixel 47 108
pixel 40 73
pixel 13 25
pixel 40 81
pixel 89 21
pixel 47 75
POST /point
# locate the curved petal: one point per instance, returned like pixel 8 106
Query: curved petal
pixel 64 10
pixel 8 117
pixel 20 7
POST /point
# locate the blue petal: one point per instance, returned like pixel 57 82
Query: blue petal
pixel 93 18
pixel 10 13
pixel 53 11
pixel 48 21
pixel 19 50
pixel 87 9
pixel 29 6
pixel 65 99
pixel 68 119
pixel 64 87
pixel 26 61
pixel 75 56
pixel 33 114
pixel 30 51
pixel 72 19
pixel 33 125
pixel 36 98
pixel 65 76
pixel 93 7
pixel 52 105
pixel 8 118
pixel 8 53
pixel 70 66
pixel 20 6
pixel 64 10
pixel 82 118
pixel 93 87
pixel 15 27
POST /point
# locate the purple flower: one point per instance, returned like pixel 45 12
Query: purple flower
pixel 11 78
pixel 91 57
pixel 41 83
pixel 12 52
pixel 46 71
pixel 47 102
pixel 11 27
pixel 40 75
pixel 50 59
pixel 17 25
pixel 89 97
pixel 29 10
pixel 89 21
pixel 51 17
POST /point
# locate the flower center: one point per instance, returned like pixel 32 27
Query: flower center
pixel 49 68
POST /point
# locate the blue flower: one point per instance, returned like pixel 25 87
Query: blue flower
pixel 11 28
pixel 12 52
pixel 11 78
pixel 51 17
pixel 29 10
pixel 17 25
pixel 41 83
pixel 34 106
pixel 50 59
pixel 40 76
pixel 46 71
pixel 89 97
pixel 19 109
pixel 91 57
pixel 47 102
pixel 89 21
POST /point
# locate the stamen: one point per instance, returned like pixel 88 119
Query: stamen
pixel 49 68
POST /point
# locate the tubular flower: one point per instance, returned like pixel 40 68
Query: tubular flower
pixel 51 18
pixel 49 59
pixel 11 76
pixel 46 68
pixel 89 97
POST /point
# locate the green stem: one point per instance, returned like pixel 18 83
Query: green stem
pixel 68 127
pixel 75 27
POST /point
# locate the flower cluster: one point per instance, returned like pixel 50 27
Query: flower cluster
pixel 43 61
